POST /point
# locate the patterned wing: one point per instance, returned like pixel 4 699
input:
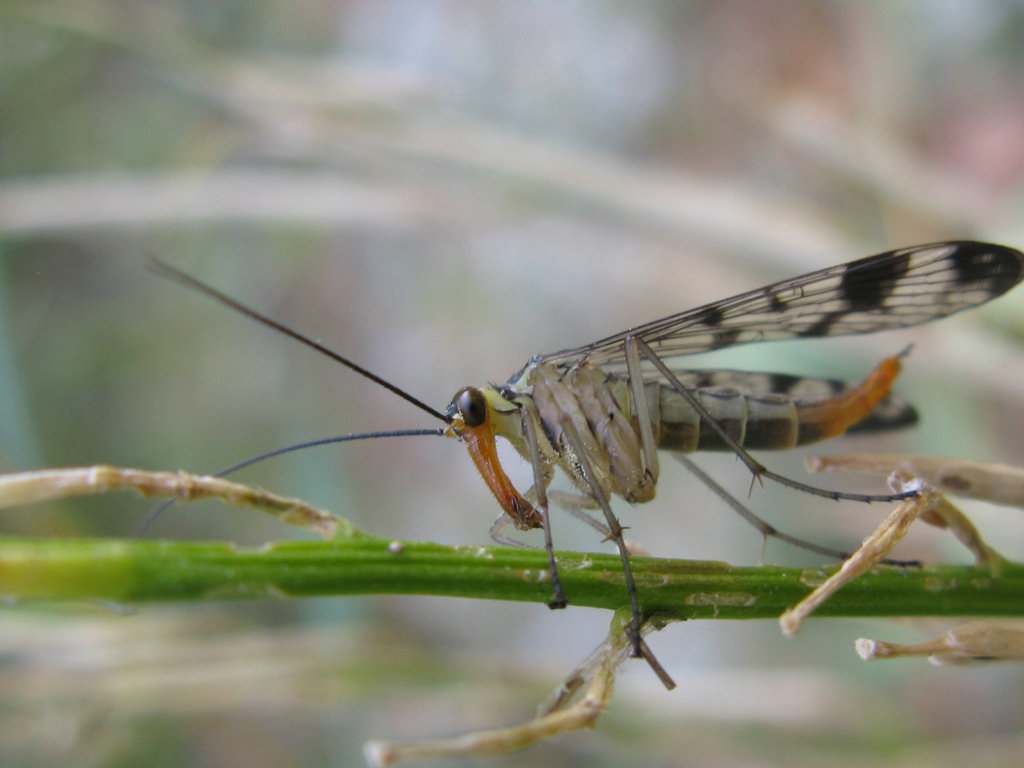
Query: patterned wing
pixel 895 289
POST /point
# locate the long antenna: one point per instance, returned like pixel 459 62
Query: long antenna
pixel 326 441
pixel 166 270
pixel 160 509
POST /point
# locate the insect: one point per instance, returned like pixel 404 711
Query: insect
pixel 602 411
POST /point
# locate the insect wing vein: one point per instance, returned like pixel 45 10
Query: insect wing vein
pixel 896 289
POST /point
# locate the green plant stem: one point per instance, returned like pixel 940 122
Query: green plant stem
pixel 135 571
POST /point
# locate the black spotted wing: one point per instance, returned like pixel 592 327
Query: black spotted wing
pixel 891 290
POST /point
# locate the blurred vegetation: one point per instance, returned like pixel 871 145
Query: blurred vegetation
pixel 440 189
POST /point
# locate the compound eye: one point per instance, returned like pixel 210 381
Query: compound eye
pixel 472 406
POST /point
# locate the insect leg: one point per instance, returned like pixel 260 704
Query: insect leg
pixel 615 529
pixel 770 531
pixel 577 504
pixel 498 529
pixel 573 503
pixel 757 468
pixel 530 421
pixel 641 411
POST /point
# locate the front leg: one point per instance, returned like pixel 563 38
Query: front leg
pixel 541 477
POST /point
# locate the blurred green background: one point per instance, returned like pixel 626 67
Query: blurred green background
pixel 440 189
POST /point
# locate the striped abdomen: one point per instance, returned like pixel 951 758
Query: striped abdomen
pixel 772 420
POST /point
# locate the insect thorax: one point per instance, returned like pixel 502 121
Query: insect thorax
pixel 599 407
